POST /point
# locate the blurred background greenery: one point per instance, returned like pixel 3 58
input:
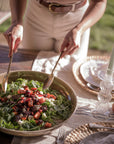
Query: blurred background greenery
pixel 102 33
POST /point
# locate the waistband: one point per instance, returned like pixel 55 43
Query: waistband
pixel 58 8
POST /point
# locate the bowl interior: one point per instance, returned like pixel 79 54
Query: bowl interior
pixel 57 84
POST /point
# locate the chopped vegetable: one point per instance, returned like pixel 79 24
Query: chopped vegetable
pixel 26 106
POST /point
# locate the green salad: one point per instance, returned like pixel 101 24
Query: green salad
pixel 26 106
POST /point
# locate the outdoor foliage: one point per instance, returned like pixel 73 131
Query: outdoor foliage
pixel 102 33
pixel 5 25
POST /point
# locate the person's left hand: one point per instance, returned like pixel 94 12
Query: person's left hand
pixel 14 35
pixel 71 42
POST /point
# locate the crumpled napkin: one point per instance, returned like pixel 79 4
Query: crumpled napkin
pixel 46 60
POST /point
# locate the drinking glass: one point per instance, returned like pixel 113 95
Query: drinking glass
pixel 102 108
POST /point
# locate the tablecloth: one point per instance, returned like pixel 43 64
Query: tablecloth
pixel 44 63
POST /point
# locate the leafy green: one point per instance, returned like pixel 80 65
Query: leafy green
pixel 56 109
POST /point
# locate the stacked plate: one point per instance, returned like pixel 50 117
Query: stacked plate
pixel 87 72
pixel 91 69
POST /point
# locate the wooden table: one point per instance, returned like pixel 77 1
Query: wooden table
pixel 22 60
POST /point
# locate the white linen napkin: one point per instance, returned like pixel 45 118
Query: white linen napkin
pixel 46 60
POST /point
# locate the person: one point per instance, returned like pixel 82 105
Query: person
pixel 59 25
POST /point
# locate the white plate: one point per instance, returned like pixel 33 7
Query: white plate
pixel 99 66
pixel 89 70
pixel 99 138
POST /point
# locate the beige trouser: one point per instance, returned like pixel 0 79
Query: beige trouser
pixel 44 30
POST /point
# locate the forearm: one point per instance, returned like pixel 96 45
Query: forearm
pixel 94 12
pixel 17 10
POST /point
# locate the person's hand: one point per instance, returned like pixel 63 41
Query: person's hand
pixel 14 36
pixel 71 42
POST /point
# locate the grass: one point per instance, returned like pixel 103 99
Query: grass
pixel 101 37
pixel 5 25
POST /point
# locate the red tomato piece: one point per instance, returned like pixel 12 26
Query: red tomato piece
pixel 48 125
pixel 40 110
pixel 30 103
pixel 42 100
pixel 38 103
pixel 51 96
pixel 21 91
pixel 23 118
pixel 37 115
pixel 28 99
pixel 40 95
pixel 29 91
pixel 33 89
pixel 22 101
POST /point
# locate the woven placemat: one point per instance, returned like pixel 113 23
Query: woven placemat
pixel 83 131
pixel 79 78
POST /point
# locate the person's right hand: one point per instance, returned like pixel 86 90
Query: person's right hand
pixel 14 36
pixel 71 42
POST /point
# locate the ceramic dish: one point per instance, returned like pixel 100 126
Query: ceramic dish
pixel 89 70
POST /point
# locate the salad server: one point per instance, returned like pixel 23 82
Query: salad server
pixel 5 78
pixel 95 88
pixel 50 77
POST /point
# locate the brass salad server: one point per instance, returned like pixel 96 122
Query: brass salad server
pixel 5 78
pixel 50 77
